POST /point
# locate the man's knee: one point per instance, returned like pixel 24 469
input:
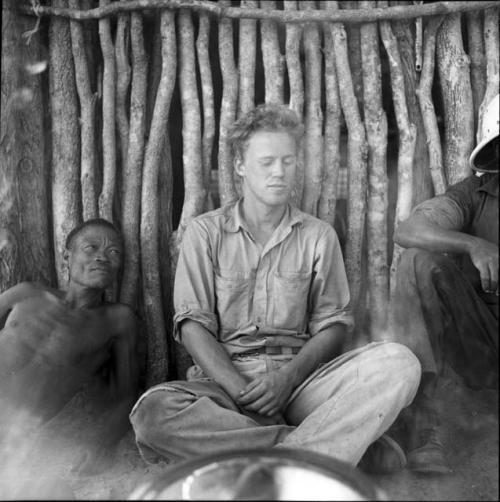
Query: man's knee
pixel 155 408
pixel 400 367
pixel 421 263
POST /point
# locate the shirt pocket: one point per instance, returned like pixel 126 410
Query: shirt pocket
pixel 290 298
pixel 231 291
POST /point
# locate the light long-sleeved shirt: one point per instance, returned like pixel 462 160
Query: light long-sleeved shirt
pixel 247 296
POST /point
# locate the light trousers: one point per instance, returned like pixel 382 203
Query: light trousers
pixel 339 410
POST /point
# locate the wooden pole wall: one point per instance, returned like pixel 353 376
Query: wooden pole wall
pixel 358 87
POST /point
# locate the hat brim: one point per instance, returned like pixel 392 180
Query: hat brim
pixel 479 147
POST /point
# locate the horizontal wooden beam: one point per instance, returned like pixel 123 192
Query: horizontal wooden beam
pixel 285 16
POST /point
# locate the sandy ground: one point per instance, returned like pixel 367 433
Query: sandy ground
pixel 470 430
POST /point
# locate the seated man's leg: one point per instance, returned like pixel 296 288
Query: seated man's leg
pixel 183 419
pixel 350 402
pixel 439 315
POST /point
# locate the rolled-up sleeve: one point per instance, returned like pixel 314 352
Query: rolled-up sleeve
pixel 194 296
pixel 329 295
pixel 452 210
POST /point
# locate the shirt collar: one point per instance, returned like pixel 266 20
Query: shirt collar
pixel 235 221
pixel 490 185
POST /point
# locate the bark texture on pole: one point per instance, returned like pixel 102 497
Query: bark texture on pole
pixel 356 160
pixel 331 144
pixel 491 47
pixel 87 119
pixel 454 78
pixel 477 60
pixel 376 216
pixel 271 56
pixel 313 138
pixel 406 134
pixel 123 75
pixel 132 167
pixel 157 370
pixel 108 119
pixel 194 188
pixel 296 85
pixel 207 92
pixel 66 195
pixel 424 93
pixel 227 188
pixel 246 60
pixel 421 179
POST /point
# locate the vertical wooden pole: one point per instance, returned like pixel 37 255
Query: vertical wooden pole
pixel 157 367
pixel 246 60
pixel 313 144
pixel 356 161
pixel 424 93
pixel 66 195
pixel 194 188
pixel 376 134
pixel 331 144
pixel 454 78
pixel 227 189
pixel 296 84
pixel 87 119
pixel 108 118
pixel 477 60
pixel 207 90
pixel 271 56
pixel 132 167
pixel 406 132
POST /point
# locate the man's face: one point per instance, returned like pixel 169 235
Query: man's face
pixel 268 167
pixel 95 257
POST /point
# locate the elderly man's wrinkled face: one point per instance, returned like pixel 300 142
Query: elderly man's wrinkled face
pixel 268 167
pixel 95 257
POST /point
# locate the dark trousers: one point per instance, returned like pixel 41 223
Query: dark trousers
pixel 440 316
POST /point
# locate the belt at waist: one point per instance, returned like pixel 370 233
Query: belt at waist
pixel 268 350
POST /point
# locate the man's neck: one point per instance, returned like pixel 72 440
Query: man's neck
pixel 81 297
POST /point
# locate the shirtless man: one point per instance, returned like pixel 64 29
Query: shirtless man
pixel 53 342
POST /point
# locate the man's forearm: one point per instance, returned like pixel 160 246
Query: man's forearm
pixel 420 233
pixel 320 349
pixel 211 357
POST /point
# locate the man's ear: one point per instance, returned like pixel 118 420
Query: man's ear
pixel 238 166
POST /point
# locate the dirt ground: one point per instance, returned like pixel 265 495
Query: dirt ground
pixel 470 431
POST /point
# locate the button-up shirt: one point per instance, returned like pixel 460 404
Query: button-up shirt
pixel 247 296
pixel 470 206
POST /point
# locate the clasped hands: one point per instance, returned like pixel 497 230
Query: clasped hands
pixel 265 397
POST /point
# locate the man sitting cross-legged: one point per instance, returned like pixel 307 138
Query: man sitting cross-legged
pixel 54 342
pixel 262 306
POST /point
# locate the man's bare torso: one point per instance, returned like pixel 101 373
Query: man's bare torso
pixel 48 351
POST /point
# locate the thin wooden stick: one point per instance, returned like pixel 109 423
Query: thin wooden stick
pixel 454 78
pixel 132 167
pixel 313 147
pixel 226 11
pixel 271 56
pixel 246 60
pixel 87 119
pixel 227 189
pixel 424 93
pixel 333 122
pixel 207 90
pixel 407 136
pixel 108 119
pixel 356 160
pixel 194 188
pixel 157 346
pixel 378 185
pixel 123 73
